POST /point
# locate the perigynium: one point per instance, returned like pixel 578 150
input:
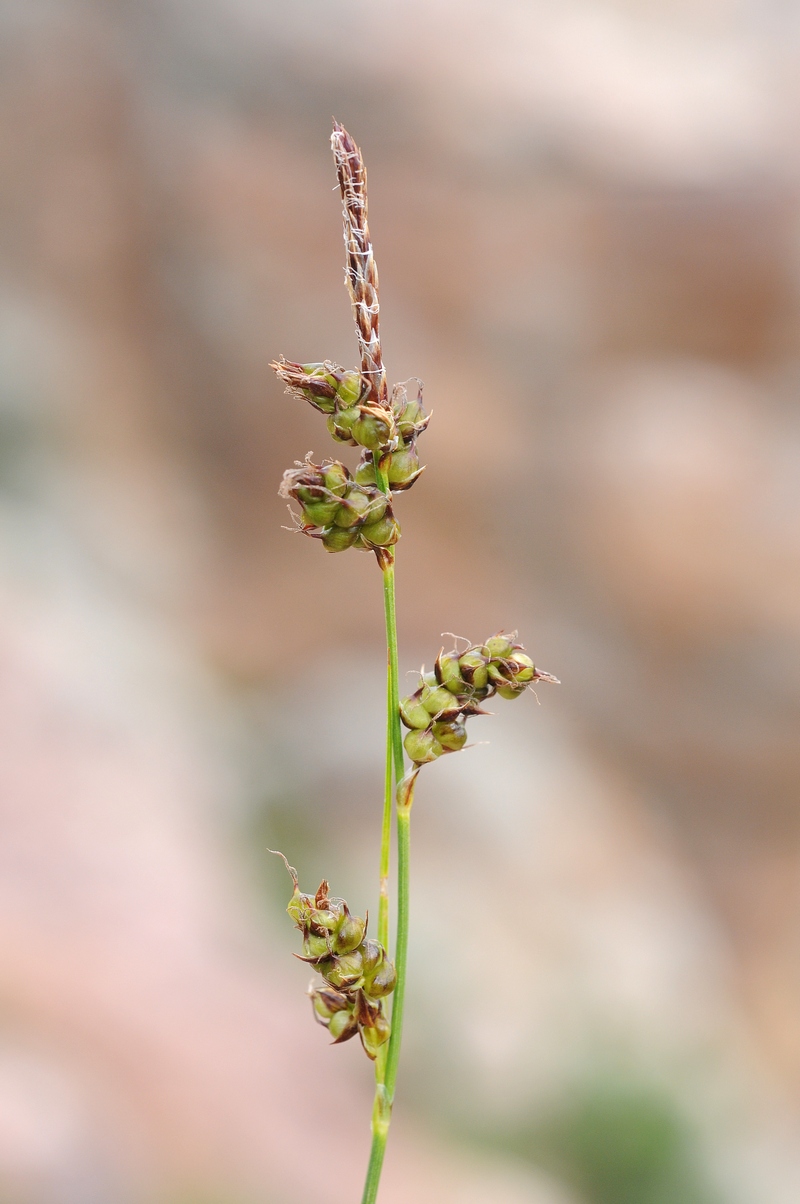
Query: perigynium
pixel 343 509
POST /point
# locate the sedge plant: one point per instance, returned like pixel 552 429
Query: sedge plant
pixel 359 990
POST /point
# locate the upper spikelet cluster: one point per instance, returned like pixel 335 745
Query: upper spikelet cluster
pixel 355 401
pixel 361 271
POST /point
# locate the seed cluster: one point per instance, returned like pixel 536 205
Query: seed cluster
pixel 341 509
pixel 338 510
pixel 355 970
pixel 437 712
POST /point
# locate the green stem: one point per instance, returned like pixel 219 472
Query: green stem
pixel 384 1091
pixel 394 673
pixel 381 1113
pixel 392 710
pixel 405 797
pixel 386 827
pixel 394 739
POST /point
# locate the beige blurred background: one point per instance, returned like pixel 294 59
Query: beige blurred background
pixel 587 221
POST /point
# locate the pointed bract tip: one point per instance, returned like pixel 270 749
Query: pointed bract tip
pixel 290 868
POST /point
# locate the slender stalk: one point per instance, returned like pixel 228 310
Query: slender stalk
pixel 386 827
pixel 384 1092
pixel 394 773
pixel 381 1112
pixel 394 671
pixel 405 798
pixel 394 744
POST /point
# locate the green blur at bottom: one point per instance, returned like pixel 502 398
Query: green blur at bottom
pixel 614 1143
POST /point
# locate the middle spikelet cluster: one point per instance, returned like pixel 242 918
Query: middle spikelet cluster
pixel 355 970
pixel 437 712
pixel 338 510
pixel 341 509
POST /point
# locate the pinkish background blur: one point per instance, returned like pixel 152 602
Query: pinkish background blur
pixel 587 222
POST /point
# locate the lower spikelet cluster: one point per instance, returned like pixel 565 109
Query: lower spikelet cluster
pixel 356 973
pixel 437 712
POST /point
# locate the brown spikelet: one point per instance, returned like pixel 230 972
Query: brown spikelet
pixel 361 272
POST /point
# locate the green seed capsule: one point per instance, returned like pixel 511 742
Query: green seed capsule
pixel 372 954
pixel 306 492
pixel 378 505
pixel 327 1003
pixel 409 414
pixel 336 478
pixel 321 1012
pixel 332 1001
pixel 512 691
pixel 436 699
pixel 344 971
pixel 300 908
pixel 365 473
pixel 340 425
pixel 413 412
pixel 321 514
pixel 372 431
pixel 382 981
pixel 422 747
pixel 413 713
pixel 326 919
pixel 336 539
pixel 350 933
pixel 352 509
pixel 404 467
pixel 522 667
pixel 452 736
pixel 342 1026
pixel 351 387
pixel 324 370
pixel 316 946
pixel 448 674
pixel 346 419
pixel 473 669
pixel 375 1036
pixel 381 534
pixel 325 405
pixel 498 646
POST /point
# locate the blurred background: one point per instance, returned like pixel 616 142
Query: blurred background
pixel 587 221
